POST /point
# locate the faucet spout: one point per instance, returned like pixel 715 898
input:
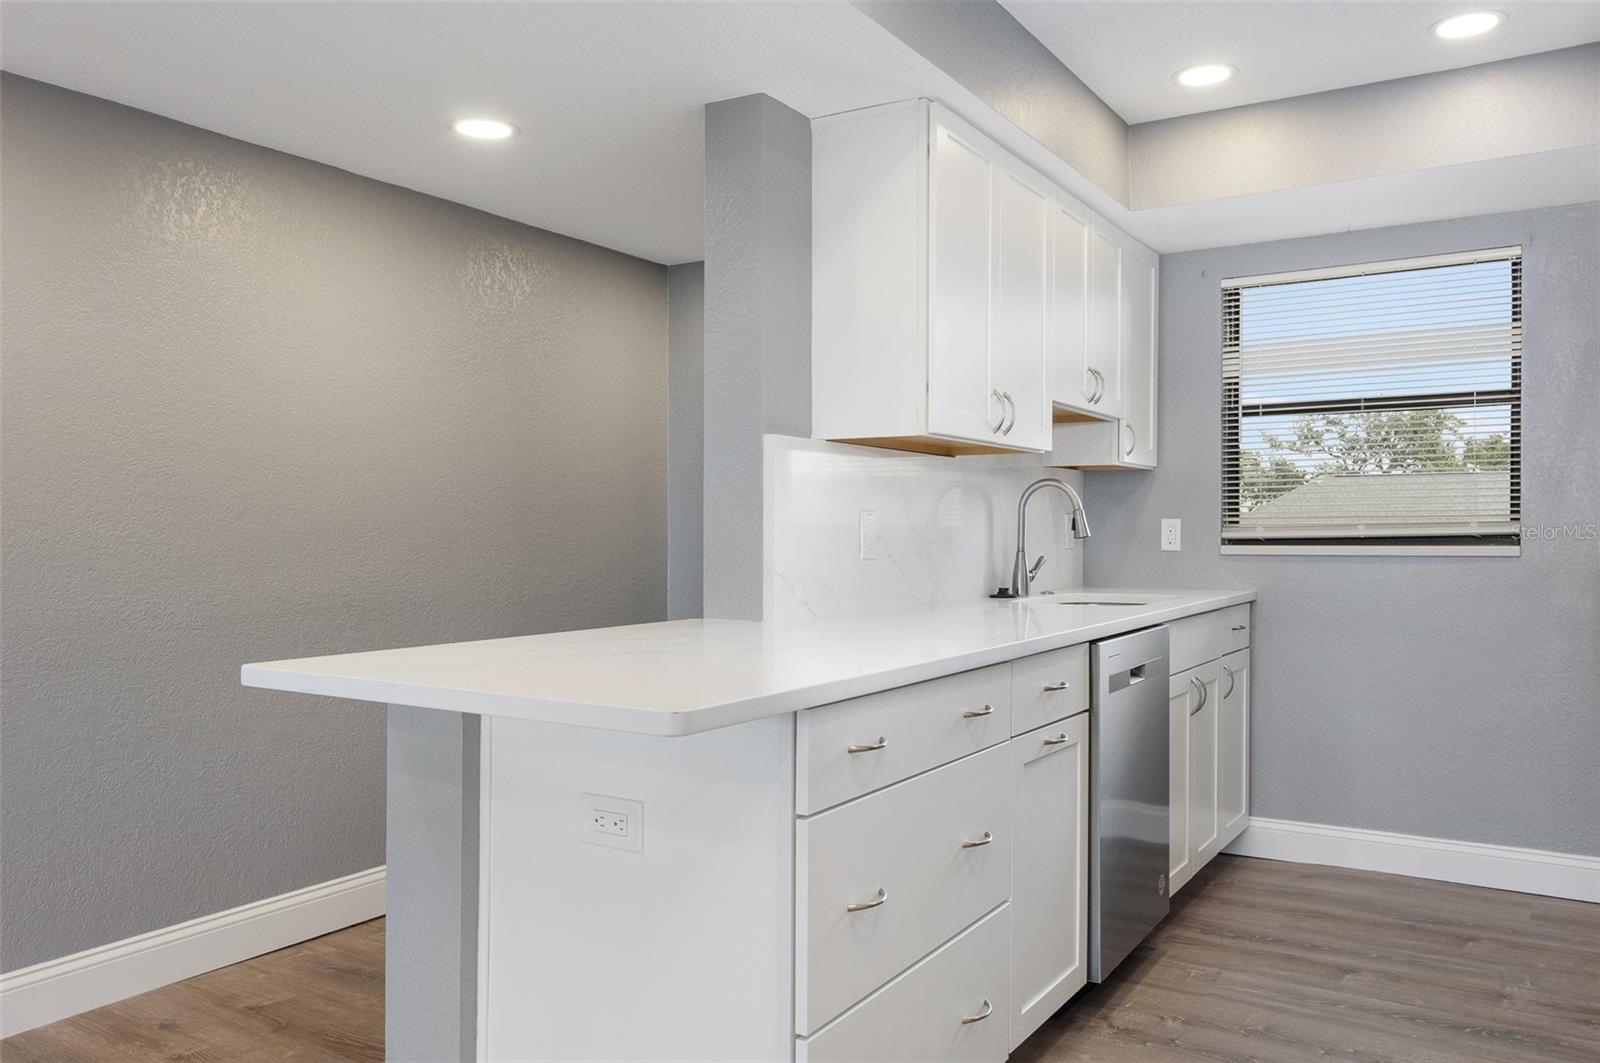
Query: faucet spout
pixel 1021 572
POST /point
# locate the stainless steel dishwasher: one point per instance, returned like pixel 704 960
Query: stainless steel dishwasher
pixel 1128 800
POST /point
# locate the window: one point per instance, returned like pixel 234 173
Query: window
pixel 1374 409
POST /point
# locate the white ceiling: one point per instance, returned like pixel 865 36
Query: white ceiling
pixel 1127 52
pixel 608 95
pixel 609 98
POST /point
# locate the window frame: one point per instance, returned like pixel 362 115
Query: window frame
pixel 1355 541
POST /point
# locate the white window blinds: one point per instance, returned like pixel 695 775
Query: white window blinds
pixel 1376 404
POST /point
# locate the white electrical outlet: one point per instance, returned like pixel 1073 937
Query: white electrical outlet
pixel 1171 533
pixel 871 544
pixel 613 822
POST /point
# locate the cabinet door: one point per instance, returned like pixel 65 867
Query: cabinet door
pixel 1233 747
pixel 1137 439
pixel 1022 275
pixel 961 394
pixel 1105 320
pixel 1202 805
pixel 1182 696
pixel 1049 874
pixel 1070 232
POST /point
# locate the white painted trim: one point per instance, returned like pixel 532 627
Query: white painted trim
pixel 1501 867
pixel 57 989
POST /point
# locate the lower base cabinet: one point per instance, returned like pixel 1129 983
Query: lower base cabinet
pixel 1233 746
pixel 1049 876
pixel 952 1006
pixel 897 877
pixel 1208 773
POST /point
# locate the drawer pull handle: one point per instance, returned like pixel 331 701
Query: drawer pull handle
pixel 1059 739
pixel 868 747
pixel 883 895
pixel 1051 688
pixel 980 843
pixel 1239 627
pixel 1232 682
pixel 973 714
pixel 983 1013
pixel 1201 688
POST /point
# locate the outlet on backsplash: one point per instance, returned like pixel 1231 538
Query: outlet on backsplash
pixel 871 543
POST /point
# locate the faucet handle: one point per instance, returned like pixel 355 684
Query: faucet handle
pixel 1037 565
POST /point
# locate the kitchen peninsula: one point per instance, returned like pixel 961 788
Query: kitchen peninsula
pixel 717 839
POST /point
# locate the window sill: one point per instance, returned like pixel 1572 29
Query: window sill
pixel 1385 550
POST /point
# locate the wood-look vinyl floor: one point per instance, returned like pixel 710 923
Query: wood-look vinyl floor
pixel 316 1001
pixel 1259 961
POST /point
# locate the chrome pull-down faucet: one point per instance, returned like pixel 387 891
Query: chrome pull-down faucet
pixel 1021 572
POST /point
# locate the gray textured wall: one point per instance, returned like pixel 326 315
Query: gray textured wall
pixel 1447 697
pixel 981 45
pixel 757 329
pixel 255 407
pixel 1536 103
pixel 686 379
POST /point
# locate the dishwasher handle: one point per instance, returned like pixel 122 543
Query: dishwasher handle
pixel 1132 676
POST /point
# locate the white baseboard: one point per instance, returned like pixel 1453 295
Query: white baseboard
pixel 1500 867
pixel 56 989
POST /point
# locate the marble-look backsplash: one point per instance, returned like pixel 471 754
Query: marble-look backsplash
pixel 946 528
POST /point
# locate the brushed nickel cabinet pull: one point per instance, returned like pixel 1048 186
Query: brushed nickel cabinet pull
pixel 1232 682
pixel 980 843
pixel 868 747
pixel 882 896
pixel 973 714
pixel 1059 739
pixel 983 1013
pixel 1051 688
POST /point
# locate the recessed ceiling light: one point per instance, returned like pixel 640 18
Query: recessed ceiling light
pixel 483 128
pixel 1471 24
pixel 1198 77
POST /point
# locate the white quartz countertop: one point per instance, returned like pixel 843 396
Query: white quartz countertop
pixel 681 677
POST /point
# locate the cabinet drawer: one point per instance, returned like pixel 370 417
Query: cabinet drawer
pixel 918 1017
pixel 1048 687
pixel 896 734
pixel 1198 639
pixel 919 861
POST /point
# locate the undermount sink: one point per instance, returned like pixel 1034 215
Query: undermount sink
pixel 1104 598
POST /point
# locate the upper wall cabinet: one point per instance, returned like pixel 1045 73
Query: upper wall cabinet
pixel 1084 361
pixel 1119 359
pixel 931 285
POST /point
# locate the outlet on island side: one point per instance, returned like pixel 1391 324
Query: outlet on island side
pixel 1171 533
pixel 612 822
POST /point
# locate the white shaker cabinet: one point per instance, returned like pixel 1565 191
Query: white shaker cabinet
pixel 1049 876
pixel 930 285
pixel 1120 359
pixel 1209 731
pixel 1180 697
pixel 1083 307
pixel 1233 746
